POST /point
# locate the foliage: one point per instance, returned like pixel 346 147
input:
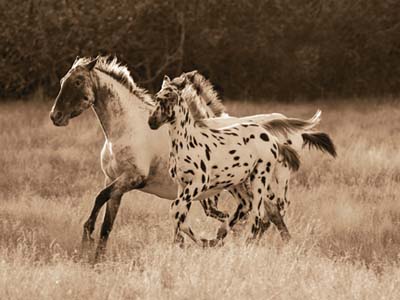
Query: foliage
pixel 274 48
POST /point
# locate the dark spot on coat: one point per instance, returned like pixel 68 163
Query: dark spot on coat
pixel 273 152
pixel 182 218
pixel 207 154
pixel 264 137
pixel 203 166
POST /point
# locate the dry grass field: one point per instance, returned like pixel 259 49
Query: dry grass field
pixel 344 217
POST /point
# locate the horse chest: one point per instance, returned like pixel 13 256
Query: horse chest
pixel 182 168
pixel 116 159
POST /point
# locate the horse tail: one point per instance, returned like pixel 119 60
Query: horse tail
pixel 320 141
pixel 289 156
pixel 284 126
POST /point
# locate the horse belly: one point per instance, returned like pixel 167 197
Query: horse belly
pixel 159 181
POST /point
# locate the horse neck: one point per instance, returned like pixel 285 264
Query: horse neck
pixel 119 111
pixel 184 125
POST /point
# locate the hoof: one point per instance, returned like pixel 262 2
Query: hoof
pixel 286 237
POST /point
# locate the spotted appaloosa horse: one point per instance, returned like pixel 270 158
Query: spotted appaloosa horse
pixel 133 156
pixel 242 158
pixel 291 131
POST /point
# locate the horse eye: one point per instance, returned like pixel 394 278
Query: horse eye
pixel 78 82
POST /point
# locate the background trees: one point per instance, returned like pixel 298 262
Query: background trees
pixel 259 48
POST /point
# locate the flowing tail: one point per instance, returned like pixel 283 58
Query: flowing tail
pixel 320 141
pixel 289 156
pixel 284 126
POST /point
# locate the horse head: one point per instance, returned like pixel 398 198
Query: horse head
pixel 76 92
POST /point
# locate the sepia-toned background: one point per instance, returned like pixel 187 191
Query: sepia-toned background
pixel 284 49
pixel 285 56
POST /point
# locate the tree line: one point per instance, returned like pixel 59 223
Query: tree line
pixel 254 49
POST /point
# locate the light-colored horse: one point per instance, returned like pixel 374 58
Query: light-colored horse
pixel 133 156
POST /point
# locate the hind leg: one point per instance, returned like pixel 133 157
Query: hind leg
pixel 259 194
pixel 274 211
pixel 276 218
pixel 275 206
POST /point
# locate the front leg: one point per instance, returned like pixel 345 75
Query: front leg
pixel 111 213
pixel 114 190
pixel 210 206
pixel 179 211
pixel 241 195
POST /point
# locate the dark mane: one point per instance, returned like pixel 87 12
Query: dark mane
pixel 206 92
pixel 120 73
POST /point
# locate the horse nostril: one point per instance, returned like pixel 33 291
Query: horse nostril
pixel 152 123
pixel 56 116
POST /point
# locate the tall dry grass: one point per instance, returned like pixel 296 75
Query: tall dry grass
pixel 344 217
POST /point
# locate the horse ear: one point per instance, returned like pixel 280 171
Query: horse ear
pixel 180 81
pixel 91 64
pixel 166 81
pixel 190 75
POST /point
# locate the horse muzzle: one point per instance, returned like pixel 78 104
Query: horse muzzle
pixel 153 123
pixel 59 119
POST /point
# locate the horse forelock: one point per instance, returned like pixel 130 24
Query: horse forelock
pixel 113 68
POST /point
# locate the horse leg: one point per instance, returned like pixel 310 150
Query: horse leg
pixel 111 213
pixel 265 224
pixel 210 208
pixel 179 211
pixel 115 189
pixel 240 194
pixel 88 227
pixel 259 193
pixel 275 206
pixel 276 218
